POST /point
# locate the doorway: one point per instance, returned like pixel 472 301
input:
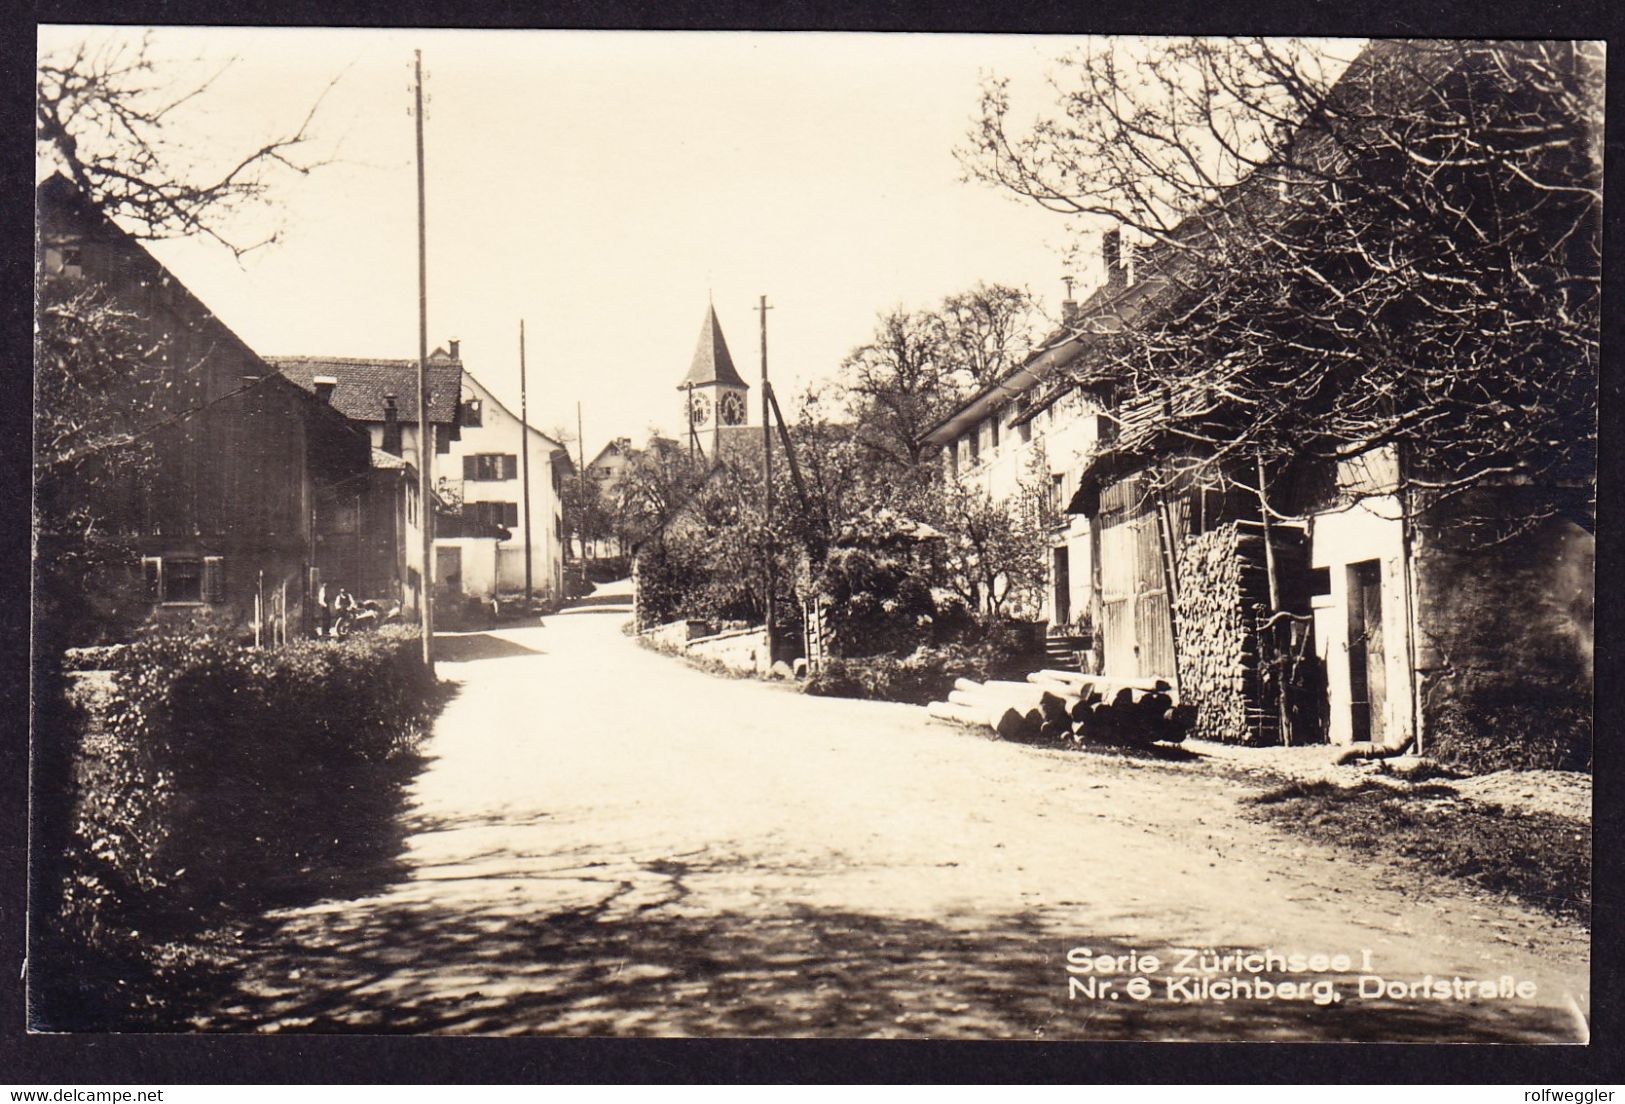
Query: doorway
pixel 448 567
pixel 1062 576
pixel 1368 679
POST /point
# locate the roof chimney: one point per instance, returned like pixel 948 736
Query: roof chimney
pixel 324 387
pixel 392 427
pixel 1111 250
pixel 1069 305
pixel 453 345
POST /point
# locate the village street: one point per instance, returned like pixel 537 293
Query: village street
pixel 606 841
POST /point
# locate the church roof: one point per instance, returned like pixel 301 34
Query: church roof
pixel 712 363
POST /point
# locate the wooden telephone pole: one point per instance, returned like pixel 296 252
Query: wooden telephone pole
pixel 524 458
pixel 767 482
pixel 425 429
pixel 581 485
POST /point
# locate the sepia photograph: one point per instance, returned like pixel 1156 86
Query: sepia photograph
pixel 813 535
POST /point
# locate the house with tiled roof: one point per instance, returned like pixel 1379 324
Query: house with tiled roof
pixel 381 394
pixel 371 536
pixel 478 466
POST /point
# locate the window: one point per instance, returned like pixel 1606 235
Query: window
pixel 993 426
pixel 442 439
pixel 471 412
pixel 952 459
pixel 187 580
pixel 492 513
pixel 975 438
pixel 1057 488
pixel 490 466
pixel 183 580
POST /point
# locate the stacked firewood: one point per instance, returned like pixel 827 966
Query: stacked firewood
pixel 1222 595
pixel 1070 708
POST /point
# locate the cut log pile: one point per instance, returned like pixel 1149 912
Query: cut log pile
pixel 1070 708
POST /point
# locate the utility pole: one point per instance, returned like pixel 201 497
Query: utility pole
pixel 524 457
pixel 767 481
pixel 425 429
pixel 581 481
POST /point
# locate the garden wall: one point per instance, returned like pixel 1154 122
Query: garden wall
pixel 737 649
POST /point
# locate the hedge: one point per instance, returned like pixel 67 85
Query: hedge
pixel 212 778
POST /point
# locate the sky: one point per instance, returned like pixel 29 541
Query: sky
pixel 603 186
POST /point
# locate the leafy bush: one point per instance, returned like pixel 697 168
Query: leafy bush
pixel 214 770
pixel 878 602
pixel 927 674
pixel 669 572
pixel 1521 726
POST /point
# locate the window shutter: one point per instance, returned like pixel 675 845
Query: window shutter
pixel 510 514
pixel 471 467
pixel 510 467
pixel 214 579
pixel 152 572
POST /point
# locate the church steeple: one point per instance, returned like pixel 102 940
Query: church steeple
pixel 713 391
pixel 712 362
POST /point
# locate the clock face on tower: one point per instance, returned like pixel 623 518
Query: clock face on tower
pixel 699 409
pixel 731 409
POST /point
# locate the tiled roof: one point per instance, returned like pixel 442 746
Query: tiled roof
pixel 363 382
pixel 387 460
pixel 712 363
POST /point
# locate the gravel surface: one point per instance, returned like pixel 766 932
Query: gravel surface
pixel 607 841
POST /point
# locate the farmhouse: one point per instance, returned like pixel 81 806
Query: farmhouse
pixel 1357 594
pixel 223 524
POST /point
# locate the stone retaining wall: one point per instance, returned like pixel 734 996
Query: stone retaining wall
pixel 742 650
pixel 738 649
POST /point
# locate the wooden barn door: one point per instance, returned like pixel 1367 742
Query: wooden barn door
pixel 1136 628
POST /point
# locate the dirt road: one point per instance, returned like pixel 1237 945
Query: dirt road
pixel 606 841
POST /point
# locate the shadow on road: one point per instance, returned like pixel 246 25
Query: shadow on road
pixel 465 647
pixel 667 967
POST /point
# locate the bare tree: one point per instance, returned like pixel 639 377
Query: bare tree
pixel 987 330
pixel 1402 257
pixel 104 115
pixel 899 383
pixel 920 364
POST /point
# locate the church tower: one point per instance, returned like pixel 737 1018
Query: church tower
pixel 713 392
